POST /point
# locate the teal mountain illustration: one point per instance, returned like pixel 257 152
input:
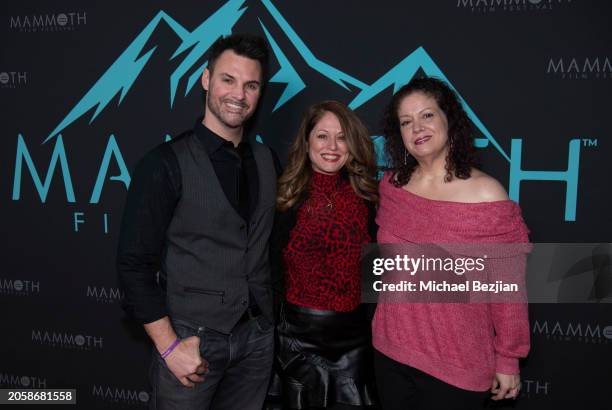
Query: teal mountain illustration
pixel 121 75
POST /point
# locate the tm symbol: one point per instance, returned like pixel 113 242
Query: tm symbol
pixel 587 142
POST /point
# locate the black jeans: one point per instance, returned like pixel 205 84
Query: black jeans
pixel 240 364
pixel 402 387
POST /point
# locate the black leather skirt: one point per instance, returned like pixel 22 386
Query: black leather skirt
pixel 324 357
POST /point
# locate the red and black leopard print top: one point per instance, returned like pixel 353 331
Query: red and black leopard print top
pixel 322 255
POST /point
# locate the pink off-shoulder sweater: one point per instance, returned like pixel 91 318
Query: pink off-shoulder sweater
pixel 461 344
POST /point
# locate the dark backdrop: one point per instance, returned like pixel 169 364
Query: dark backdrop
pixel 87 88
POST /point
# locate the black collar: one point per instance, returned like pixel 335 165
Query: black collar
pixel 211 141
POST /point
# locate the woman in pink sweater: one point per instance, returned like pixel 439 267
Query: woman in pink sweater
pixel 444 355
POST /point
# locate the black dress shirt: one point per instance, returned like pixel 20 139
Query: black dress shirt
pixel 235 168
pixel 154 192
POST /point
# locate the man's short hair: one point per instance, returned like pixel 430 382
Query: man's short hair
pixel 245 45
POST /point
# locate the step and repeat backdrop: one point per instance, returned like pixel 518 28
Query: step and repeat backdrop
pixel 86 88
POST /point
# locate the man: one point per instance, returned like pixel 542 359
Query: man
pixel 200 211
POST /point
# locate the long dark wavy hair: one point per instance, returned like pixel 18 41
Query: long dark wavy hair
pixel 360 167
pixel 461 156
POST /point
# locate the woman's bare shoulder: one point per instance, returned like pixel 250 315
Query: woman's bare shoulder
pixel 485 188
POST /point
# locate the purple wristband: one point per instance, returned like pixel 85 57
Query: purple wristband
pixel 171 348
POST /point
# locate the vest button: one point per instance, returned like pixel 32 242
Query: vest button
pixel 242 227
pixel 244 303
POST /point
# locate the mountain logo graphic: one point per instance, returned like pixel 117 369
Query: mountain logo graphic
pixel 125 70
pixel 120 76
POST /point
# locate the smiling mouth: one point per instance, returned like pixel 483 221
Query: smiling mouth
pixel 422 140
pixel 330 157
pixel 234 107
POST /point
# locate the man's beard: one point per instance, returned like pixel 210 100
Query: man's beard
pixel 225 118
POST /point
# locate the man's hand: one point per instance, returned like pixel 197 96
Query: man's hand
pixel 186 363
pixel 505 386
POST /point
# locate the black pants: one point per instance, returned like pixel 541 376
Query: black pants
pixel 324 358
pixel 401 387
pixel 239 369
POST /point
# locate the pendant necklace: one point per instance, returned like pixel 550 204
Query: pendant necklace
pixel 330 200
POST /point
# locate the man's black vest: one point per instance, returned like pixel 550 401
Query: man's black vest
pixel 212 259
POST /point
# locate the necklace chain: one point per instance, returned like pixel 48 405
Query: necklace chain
pixel 329 199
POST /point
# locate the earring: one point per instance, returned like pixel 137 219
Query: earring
pixel 405 156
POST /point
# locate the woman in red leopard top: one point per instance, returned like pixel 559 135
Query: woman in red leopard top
pixel 326 201
pixel 445 355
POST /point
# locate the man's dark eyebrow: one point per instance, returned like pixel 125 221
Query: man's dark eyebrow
pixel 248 82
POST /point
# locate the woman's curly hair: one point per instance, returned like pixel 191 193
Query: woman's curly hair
pixel 461 156
pixel 360 167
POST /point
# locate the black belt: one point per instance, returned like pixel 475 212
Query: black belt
pixel 250 313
